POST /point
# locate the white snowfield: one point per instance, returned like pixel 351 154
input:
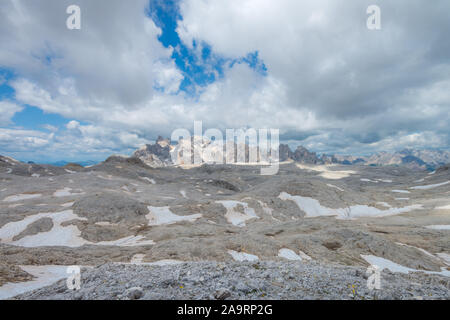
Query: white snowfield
pixel 430 186
pixel 325 171
pixel 68 236
pixel 401 191
pixel 383 263
pixel 58 235
pixel 447 207
pixel 45 275
pixel 237 218
pixel 368 180
pixel 291 255
pixel 242 256
pixel 313 208
pixel 163 215
pixel 66 192
pixel 24 196
pixel 439 227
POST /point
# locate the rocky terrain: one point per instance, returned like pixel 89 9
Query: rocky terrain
pixel 310 231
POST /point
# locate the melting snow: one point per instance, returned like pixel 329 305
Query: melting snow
pixel 237 218
pixel 368 180
pixel 65 193
pixel 400 191
pixel 439 227
pixel 67 204
pixel 131 241
pixel 163 215
pixel 444 256
pixel 19 197
pixel 69 236
pixel 45 275
pixel 289 254
pixel 326 173
pixel 148 179
pixel 333 186
pixel 430 186
pixel 242 256
pixel 313 208
pixel 383 263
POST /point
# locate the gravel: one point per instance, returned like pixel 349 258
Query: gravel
pixel 242 280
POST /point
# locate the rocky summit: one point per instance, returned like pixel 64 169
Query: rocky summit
pixel 142 227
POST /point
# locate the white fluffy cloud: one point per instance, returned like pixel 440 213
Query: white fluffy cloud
pixel 331 83
pixel 374 84
pixel 7 111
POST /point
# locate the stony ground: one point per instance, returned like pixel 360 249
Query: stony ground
pixel 243 280
pixel 121 209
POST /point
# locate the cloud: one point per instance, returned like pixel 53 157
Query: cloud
pixel 375 83
pixel 328 81
pixel 7 111
pixel 115 57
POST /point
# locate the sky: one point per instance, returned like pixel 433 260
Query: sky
pixel 139 69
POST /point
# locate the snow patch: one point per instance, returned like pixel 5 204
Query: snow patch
pixel 439 227
pixel 383 263
pixel 65 193
pixel 237 218
pixel 148 179
pixel 163 215
pixel 401 191
pixel 289 254
pixel 313 208
pixel 333 186
pixel 19 197
pixel 325 171
pixel 430 186
pixel 242 256
pixel 130 241
pixel 45 276
pixel 368 180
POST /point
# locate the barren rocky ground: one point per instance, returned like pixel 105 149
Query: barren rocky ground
pixel 311 231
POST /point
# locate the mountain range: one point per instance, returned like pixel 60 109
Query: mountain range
pixel 161 154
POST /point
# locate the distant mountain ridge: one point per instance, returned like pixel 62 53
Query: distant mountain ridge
pixel 414 159
pixel 161 153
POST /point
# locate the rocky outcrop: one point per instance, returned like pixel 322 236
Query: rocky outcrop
pixel 155 155
pixel 303 155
